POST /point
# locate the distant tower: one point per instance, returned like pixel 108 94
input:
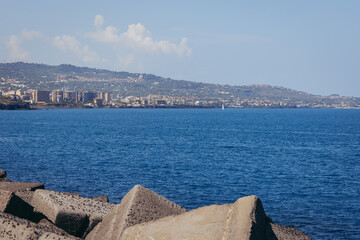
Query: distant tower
pixel 107 97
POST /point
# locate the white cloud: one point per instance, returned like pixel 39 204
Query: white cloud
pixel 16 53
pixel 70 44
pixel 30 35
pixel 137 37
pixel 99 21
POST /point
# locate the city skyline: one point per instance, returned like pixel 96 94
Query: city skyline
pixel 303 45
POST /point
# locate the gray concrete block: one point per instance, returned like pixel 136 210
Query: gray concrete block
pixel 20 186
pixel 10 203
pixel 243 220
pixel 26 196
pixel 12 227
pixel 138 206
pixel 279 232
pixel 76 215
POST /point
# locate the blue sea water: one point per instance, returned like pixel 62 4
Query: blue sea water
pixel 304 164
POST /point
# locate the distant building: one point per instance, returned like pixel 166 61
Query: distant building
pixel 20 92
pixel 160 102
pixel 69 96
pixel 101 95
pixel 25 98
pixel 57 96
pixel 89 96
pixel 41 96
pixel 107 98
pixel 99 102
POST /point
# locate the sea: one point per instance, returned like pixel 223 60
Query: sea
pixel 304 164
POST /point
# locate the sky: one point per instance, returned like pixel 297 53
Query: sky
pixel 307 45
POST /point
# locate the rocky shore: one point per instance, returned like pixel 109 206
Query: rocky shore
pixel 28 211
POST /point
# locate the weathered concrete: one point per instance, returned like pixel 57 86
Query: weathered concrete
pixel 10 203
pixel 12 227
pixel 102 198
pixel 2 173
pixel 279 232
pixel 47 223
pixel 26 196
pixel 245 219
pixel 76 215
pixel 138 206
pixel 5 179
pixel 20 186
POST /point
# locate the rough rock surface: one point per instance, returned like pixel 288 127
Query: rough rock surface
pixel 5 179
pixel 12 227
pixel 76 215
pixel 245 219
pixel 102 198
pixel 20 186
pixel 279 232
pixel 138 206
pixel 26 196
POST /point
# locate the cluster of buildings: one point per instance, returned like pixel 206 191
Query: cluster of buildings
pixel 106 99
pixel 97 99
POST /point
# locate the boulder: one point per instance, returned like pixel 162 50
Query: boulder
pixel 102 198
pixel 20 186
pixel 138 206
pixel 2 173
pixel 245 219
pixel 10 203
pixel 74 214
pixel 12 227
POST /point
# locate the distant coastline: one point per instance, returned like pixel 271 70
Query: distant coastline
pixel 68 86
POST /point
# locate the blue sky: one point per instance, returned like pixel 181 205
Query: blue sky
pixel 312 46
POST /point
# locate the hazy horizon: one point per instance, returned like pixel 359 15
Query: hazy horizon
pixel 302 45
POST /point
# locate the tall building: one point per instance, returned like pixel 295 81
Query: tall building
pixel 107 97
pixel 41 96
pixel 57 96
pixel 89 96
pixel 70 96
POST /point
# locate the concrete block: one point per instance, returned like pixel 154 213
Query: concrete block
pixel 12 227
pixel 76 215
pixel 20 186
pixel 138 206
pixel 279 232
pixel 10 203
pixel 26 196
pixel 245 219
